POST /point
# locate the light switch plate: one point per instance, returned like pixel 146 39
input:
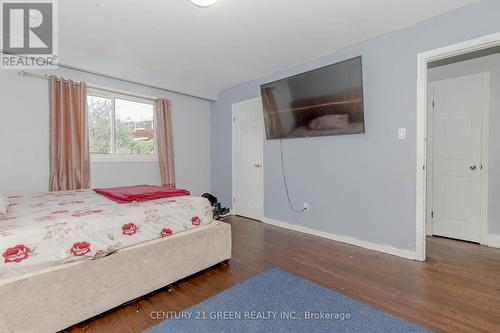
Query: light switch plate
pixel 402 133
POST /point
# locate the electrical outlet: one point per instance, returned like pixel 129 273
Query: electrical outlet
pixel 306 206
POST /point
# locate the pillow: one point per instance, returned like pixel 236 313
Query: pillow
pixel 329 122
pixel 4 204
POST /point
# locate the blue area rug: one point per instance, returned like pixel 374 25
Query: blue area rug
pixel 277 301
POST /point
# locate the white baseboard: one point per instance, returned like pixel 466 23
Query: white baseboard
pixel 408 254
pixel 494 240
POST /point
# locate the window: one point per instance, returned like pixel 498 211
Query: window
pixel 140 126
pixel 121 127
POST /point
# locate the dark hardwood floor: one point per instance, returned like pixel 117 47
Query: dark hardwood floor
pixel 456 290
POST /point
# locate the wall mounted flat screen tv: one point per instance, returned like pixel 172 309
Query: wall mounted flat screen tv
pixel 324 101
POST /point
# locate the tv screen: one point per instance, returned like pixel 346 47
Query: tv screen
pixel 325 101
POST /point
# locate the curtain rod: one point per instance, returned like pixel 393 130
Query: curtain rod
pixel 46 77
pixel 107 76
pixel 91 86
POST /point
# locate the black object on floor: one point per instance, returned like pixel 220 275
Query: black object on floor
pixel 224 212
pixel 210 197
pixel 217 208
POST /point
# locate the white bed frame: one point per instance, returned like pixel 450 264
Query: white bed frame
pixel 56 298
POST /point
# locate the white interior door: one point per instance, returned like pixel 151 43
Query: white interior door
pixel 457 112
pixel 248 137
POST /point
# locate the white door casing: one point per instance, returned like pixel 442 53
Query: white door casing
pixel 421 170
pixel 457 108
pixel 248 172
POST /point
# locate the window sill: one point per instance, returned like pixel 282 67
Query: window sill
pixel 122 159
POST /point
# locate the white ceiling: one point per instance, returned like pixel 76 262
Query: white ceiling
pixel 174 44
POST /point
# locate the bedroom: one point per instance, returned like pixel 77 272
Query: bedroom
pixel 165 90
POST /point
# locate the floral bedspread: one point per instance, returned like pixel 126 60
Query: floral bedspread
pixel 47 229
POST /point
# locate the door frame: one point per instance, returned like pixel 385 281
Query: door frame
pixel 485 123
pixel 233 155
pixel 423 59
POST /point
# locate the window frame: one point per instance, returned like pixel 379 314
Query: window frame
pixel 117 157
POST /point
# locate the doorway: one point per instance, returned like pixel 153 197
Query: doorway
pixel 248 168
pixel 424 170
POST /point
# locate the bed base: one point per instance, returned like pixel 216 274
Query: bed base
pixel 56 298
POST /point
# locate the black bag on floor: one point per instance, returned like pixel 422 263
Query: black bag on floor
pixel 211 198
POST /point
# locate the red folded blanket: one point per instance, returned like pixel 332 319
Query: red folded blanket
pixel 139 193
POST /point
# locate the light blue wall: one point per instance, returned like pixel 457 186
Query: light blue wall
pixel 24 137
pixel 362 186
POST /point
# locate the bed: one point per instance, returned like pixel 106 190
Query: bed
pixel 68 256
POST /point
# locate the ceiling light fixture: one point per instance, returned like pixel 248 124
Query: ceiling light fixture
pixel 204 3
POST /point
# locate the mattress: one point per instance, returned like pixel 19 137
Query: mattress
pixel 48 229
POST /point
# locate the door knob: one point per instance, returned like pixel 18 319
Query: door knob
pixel 257 165
pixel 473 167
